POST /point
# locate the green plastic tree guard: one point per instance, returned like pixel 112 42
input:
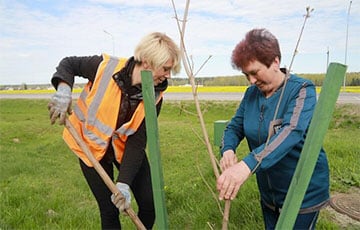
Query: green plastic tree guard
pixel 219 127
pixel 314 140
pixel 154 149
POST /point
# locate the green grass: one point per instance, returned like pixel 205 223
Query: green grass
pixel 41 185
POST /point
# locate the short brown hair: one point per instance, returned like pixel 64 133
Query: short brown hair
pixel 260 45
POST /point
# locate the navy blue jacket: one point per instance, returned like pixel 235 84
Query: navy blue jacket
pixel 275 164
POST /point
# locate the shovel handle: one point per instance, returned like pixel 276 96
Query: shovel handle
pixel 100 170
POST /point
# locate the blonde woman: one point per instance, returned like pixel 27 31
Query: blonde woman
pixel 109 117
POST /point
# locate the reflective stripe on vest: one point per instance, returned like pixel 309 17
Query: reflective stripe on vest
pixel 95 114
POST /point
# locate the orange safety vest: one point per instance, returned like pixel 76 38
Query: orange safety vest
pixel 95 115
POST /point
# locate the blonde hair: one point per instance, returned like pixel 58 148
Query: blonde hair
pixel 157 49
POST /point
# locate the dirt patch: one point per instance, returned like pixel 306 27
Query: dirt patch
pixel 345 208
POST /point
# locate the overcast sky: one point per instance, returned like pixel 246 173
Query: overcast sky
pixel 36 34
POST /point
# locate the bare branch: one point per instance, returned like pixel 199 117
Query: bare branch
pixel 182 43
pixel 306 16
pixel 203 65
pixel 189 71
pixel 210 189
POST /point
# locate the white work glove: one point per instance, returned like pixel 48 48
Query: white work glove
pixel 122 202
pixel 60 103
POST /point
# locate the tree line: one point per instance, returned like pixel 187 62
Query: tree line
pixel 352 79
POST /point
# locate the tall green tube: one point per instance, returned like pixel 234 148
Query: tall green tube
pixel 314 140
pixel 154 149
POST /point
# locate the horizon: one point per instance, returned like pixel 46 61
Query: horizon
pixel 36 35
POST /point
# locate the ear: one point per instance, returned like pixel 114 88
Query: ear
pixel 276 63
pixel 145 64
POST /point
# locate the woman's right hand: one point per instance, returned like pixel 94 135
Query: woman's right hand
pixel 60 103
pixel 228 159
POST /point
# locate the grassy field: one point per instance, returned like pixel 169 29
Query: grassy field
pixel 41 185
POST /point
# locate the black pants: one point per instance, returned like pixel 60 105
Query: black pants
pixel 141 188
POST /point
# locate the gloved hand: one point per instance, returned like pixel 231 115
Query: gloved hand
pixel 60 103
pixel 122 202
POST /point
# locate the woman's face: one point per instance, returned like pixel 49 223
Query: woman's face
pixel 261 76
pixel 162 73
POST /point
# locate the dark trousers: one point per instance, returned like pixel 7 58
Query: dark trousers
pixel 141 189
pixel 303 221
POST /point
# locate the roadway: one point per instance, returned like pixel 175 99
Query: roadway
pixel 344 98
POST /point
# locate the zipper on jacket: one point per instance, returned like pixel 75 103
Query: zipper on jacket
pixel 261 118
